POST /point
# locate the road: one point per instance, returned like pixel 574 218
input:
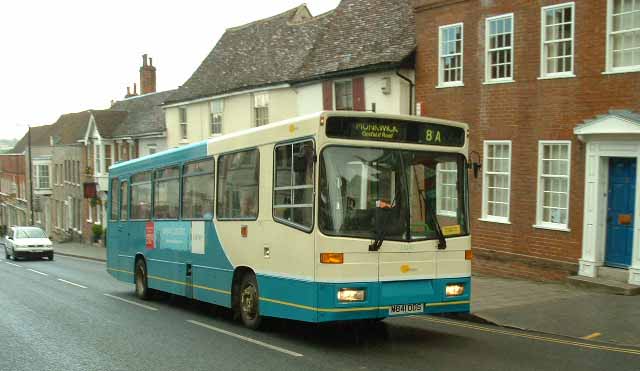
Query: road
pixel 69 314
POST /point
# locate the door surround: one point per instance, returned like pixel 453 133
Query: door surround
pixel 612 135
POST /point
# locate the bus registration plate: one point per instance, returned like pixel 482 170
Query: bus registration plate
pixel 406 309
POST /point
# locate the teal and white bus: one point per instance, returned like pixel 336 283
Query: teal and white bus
pixel 327 217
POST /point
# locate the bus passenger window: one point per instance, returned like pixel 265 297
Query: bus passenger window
pixel 124 201
pixel 238 181
pixel 167 193
pixel 197 190
pixel 115 198
pixel 293 192
pixel 141 196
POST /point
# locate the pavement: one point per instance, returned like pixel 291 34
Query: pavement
pixel 546 307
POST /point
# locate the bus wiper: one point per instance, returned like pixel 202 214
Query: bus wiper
pixel 442 242
pixel 381 228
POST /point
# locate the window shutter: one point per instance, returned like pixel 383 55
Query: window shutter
pixel 358 94
pixel 327 95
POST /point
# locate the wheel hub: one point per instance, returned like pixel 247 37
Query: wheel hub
pixel 249 301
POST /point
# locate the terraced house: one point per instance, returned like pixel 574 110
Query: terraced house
pixel 551 90
pixel 359 56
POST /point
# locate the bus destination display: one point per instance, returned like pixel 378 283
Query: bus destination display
pixel 395 131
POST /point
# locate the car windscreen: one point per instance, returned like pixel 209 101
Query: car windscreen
pixel 30 233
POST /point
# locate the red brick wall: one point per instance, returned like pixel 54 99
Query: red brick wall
pixel 524 112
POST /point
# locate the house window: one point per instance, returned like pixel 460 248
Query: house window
pixel 215 116
pixel 183 122
pixel 447 188
pixel 451 57
pixel 261 109
pixel 42 175
pixel 497 181
pixel 293 186
pixel 151 149
pixel 97 161
pixel 499 48
pixel 557 40
pixel 107 157
pixel 344 95
pixel 553 184
pixel 623 45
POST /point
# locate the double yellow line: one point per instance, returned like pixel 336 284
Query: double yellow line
pixel 532 337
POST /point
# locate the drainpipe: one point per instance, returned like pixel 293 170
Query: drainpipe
pixel 411 86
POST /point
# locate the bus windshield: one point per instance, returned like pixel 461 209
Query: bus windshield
pixel 410 194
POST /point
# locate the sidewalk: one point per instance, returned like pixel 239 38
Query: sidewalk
pixel 81 250
pixel 553 308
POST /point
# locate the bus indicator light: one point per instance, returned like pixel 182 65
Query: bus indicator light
pixel 468 255
pixel 331 258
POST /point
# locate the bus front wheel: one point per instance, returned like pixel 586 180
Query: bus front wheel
pixel 142 290
pixel 250 302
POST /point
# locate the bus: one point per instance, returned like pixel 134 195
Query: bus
pixel 326 217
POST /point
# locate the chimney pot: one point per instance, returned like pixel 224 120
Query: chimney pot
pixel 128 91
pixel 144 60
pixel 150 61
pixel 135 88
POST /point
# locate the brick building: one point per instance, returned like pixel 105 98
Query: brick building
pixel 549 89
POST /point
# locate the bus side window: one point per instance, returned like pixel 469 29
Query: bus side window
pixel 124 201
pixel 238 185
pixel 197 189
pixel 115 199
pixel 293 184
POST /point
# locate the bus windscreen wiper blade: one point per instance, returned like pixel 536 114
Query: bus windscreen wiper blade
pixel 442 242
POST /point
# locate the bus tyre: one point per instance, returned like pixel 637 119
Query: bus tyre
pixel 250 302
pixel 142 290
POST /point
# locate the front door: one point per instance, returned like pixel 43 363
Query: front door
pixel 620 211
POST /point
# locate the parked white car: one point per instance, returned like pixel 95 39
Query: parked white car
pixel 23 242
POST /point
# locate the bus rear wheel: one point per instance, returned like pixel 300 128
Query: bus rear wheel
pixel 249 303
pixel 142 289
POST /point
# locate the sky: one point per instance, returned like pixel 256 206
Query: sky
pixel 68 56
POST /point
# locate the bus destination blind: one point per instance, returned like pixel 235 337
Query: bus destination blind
pixel 395 131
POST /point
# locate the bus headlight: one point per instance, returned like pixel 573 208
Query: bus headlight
pixel 454 289
pixel 350 295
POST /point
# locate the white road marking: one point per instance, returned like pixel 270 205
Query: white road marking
pixel 35 271
pixel 131 302
pixel 15 265
pixel 250 340
pixel 71 283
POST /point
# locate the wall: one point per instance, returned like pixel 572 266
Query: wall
pixel 525 111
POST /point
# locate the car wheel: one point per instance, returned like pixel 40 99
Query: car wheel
pixel 50 256
pixel 142 289
pixel 250 302
pixel 13 255
pixel 6 253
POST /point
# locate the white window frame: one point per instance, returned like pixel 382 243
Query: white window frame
pixel 441 82
pixel 38 175
pixel 216 114
pixel 90 219
pixel 97 158
pixel 150 147
pixel 491 218
pixel 609 52
pixel 184 133
pixel 440 185
pixel 488 50
pixel 335 96
pixel 540 191
pixel 265 103
pixel 543 55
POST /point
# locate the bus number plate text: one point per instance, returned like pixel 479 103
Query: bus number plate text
pixel 406 309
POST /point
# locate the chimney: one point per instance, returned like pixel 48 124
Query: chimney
pixel 128 92
pixel 135 89
pixel 147 76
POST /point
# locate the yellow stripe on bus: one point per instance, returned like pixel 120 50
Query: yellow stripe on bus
pixel 119 270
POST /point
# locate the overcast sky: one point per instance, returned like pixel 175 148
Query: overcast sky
pixel 68 56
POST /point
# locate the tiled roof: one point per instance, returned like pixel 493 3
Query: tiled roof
pixel 71 127
pixel 39 137
pixel 293 46
pixel 362 33
pixel 108 120
pixel 145 114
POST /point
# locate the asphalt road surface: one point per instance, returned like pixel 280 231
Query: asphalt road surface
pixel 69 314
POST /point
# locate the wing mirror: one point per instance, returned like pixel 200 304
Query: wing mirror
pixel 475 165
